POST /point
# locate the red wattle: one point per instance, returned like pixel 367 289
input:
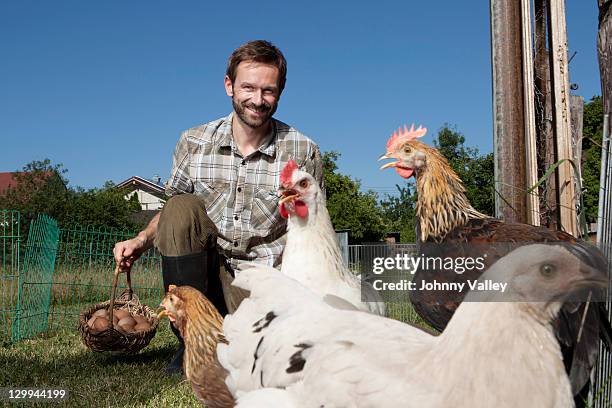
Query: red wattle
pixel 405 173
pixel 301 209
pixel 283 211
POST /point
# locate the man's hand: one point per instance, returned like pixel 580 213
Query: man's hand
pixel 127 252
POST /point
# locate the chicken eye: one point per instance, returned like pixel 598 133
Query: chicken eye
pixel 547 270
pixel 304 183
pixel 407 149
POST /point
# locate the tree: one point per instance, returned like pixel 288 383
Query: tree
pixel 591 156
pixel 104 207
pixel 479 184
pixel 41 188
pixel 348 207
pixel 399 212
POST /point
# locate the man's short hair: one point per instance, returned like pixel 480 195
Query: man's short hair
pixel 258 51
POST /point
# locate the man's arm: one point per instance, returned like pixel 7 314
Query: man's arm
pixel 127 252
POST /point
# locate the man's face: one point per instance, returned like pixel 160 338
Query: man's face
pixel 255 92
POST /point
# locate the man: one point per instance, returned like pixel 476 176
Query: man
pixel 225 177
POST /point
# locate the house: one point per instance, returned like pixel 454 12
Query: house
pixel 37 178
pixel 7 181
pixel 150 193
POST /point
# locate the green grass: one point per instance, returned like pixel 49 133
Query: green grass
pixel 60 360
pixel 84 284
pixel 404 312
pixel 74 288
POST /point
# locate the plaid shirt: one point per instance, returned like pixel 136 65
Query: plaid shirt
pixel 241 193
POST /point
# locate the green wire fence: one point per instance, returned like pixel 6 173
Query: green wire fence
pixel 84 270
pixel 10 243
pixel 58 273
pixel 65 271
pixel 35 279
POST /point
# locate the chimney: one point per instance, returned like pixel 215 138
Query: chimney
pixel 157 179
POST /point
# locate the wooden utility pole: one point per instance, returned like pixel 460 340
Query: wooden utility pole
pixel 508 114
pixel 604 51
pixel 531 159
pixel 561 100
pixel 544 116
pixel 577 116
pixel 532 121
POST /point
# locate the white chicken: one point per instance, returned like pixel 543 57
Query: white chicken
pixel 491 354
pixel 312 255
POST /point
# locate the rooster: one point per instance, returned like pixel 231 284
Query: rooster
pixel 200 325
pixel 449 226
pixel 312 255
pixel 286 343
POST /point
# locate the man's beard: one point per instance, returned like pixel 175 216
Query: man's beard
pixel 240 109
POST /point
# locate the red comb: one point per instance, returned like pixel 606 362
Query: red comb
pixel 401 136
pixel 287 173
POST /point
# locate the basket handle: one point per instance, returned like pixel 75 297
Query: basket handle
pixel 114 290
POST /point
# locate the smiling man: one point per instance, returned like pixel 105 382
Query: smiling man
pixel 223 186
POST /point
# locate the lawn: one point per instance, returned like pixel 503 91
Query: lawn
pixel 60 360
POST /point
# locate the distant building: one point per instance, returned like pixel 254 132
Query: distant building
pixel 392 237
pixel 10 180
pixel 150 193
pixel 7 181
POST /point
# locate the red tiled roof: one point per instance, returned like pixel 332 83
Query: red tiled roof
pixel 7 180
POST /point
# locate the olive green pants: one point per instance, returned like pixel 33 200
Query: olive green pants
pixel 185 228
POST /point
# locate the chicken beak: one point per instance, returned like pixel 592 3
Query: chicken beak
pixel 288 198
pixel 593 278
pixel 389 156
pixel 288 195
pixel 386 166
pixel 166 313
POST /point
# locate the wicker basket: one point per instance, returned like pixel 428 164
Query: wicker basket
pixel 111 339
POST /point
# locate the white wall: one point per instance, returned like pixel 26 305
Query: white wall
pixel 147 201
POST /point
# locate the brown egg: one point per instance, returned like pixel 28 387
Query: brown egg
pixel 90 322
pixel 101 312
pixel 140 319
pixel 120 313
pixel 127 324
pixel 127 321
pixel 119 329
pixel 100 324
pixel 144 326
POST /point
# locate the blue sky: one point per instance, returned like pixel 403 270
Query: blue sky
pixel 106 87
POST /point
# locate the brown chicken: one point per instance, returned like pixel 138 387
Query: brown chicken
pixel 449 227
pixel 200 325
